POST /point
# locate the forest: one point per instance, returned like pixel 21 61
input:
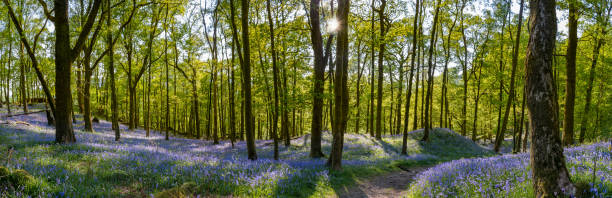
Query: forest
pixel 305 98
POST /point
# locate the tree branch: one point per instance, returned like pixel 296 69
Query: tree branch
pixel 46 11
pixel 86 30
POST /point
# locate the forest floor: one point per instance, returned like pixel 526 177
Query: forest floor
pixel 140 166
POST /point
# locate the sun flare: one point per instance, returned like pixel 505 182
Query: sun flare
pixel 333 25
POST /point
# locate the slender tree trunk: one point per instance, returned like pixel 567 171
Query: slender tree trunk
pixel 358 86
pixel 500 137
pixel 284 107
pixel 570 86
pixel 232 104
pixel 521 124
pixel 409 88
pixel 246 85
pixel 131 85
pixel 550 175
pixel 430 69
pixel 464 74
pixel 111 70
pixel 478 80
pixel 167 121
pixel 8 68
pixel 500 133
pixel 381 54
pixel 276 81
pixel 443 102
pixel 372 74
pixel 589 92
pixel 22 77
pixel 602 15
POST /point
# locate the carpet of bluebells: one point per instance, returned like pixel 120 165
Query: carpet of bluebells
pixel 137 166
pixel 509 175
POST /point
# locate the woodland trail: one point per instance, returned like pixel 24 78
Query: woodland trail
pixel 393 184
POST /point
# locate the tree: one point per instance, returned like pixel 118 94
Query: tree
pixel 276 81
pixel 550 176
pixel 167 118
pixel 64 56
pixel 22 65
pixel 570 86
pixel 381 54
pixel 500 133
pixel 511 95
pixel 246 84
pixel 464 71
pixel 341 97
pixel 409 92
pixel 443 92
pixel 87 77
pixel 602 15
pixel 360 70
pixel 319 78
pixel 430 70
pixel 111 72
pixel 31 53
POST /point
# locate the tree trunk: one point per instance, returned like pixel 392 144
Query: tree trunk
pixel 372 74
pixel 319 80
pixel 570 85
pixel 521 124
pixel 415 122
pixel 358 86
pixel 232 105
pixel 63 115
pixel 599 43
pixel 550 176
pixel 276 81
pixel 409 88
pixel 430 69
pixel 246 85
pixel 381 54
pixel 500 136
pixel 22 73
pixel 167 118
pixel 464 74
pixel 8 69
pixel 340 89
pixel 111 70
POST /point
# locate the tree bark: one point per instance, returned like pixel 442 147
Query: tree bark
pixel 464 74
pixel 358 86
pixel 246 85
pixel 409 88
pixel 430 69
pixel 63 129
pixel 111 71
pixel 167 118
pixel 319 78
pixel 372 74
pixel 381 54
pixel 570 85
pixel 550 175
pixel 276 81
pixel 341 96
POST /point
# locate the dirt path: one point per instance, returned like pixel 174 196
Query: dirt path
pixel 394 184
